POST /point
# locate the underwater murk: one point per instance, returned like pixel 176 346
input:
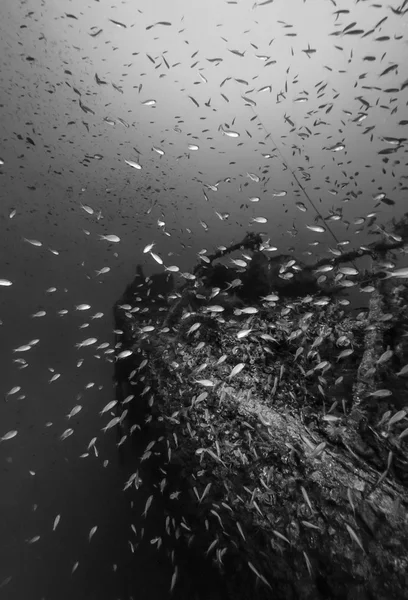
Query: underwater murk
pixel 203 300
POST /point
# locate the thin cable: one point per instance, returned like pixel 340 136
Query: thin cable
pixel 285 163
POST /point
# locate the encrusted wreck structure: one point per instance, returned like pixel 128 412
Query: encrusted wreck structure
pixel 277 424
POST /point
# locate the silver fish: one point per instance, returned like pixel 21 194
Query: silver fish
pixel 400 273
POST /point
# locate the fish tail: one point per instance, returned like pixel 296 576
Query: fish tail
pixel 388 274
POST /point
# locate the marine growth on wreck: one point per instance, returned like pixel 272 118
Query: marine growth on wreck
pixel 277 423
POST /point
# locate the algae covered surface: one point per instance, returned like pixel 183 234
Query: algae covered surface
pixel 280 436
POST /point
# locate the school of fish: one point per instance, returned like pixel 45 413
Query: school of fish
pixel 297 168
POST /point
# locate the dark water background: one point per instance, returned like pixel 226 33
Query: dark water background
pixel 83 491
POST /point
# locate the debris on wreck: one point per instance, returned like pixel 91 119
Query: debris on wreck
pixel 278 427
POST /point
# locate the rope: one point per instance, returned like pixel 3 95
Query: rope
pixel 285 163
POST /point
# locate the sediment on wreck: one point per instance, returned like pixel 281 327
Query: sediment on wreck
pixel 266 470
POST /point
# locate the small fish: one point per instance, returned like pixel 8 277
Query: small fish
pixel 148 247
pixel 102 271
pixel 318 450
pixel 348 271
pixel 301 206
pixel 249 310
pixel 403 372
pixel 401 414
pixel 324 269
pixel 240 530
pixel 133 164
pixel 13 390
pixel 173 579
pixel 74 568
pixel 299 351
pixel 92 532
pixel 112 423
pixel 108 407
pixel 193 328
pixel 74 411
pixel 110 238
pixel 87 209
pixel 24 348
pixel 231 134
pixel 237 369
pixel 5 282
pixel 9 435
pixel 118 23
pixel 122 122
pixel 316 228
pixel 33 539
pixel 156 258
pixel 219 362
pixel 250 565
pixel 243 333
pixel 66 434
pixel 128 399
pixel 118 89
pixel 306 497
pixel 253 177
pixel 354 536
pixel 158 150
pixel 399 273
pixel 82 307
pixel 158 23
pixel 345 353
pixel 336 147
pixel 385 357
pixel 205 382
pixel 56 521
pixel 33 242
pixel 87 342
pixel 381 394
pixel 195 101
pixel 239 263
pixel 125 354
pixel 148 505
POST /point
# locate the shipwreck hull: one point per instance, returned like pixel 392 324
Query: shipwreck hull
pixel 285 498
pixel 278 437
